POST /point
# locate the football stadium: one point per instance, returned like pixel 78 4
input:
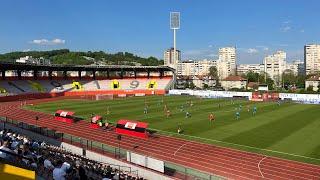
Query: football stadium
pixel 159 90
pixel 136 124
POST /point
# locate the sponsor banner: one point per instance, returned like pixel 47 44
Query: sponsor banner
pixel 122 95
pixel 140 94
pixel 300 97
pixel 210 94
pixel 146 161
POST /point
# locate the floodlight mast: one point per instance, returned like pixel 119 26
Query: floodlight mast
pixel 174 24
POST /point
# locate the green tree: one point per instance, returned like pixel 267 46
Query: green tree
pixel 64 56
pixel 288 78
pixel 213 73
pixel 300 81
pixel 252 76
pixel 270 83
pixel 310 88
pixel 192 85
pixel 186 85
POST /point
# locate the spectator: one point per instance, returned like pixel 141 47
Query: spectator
pixel 82 173
pixel 40 156
pixel 47 164
pixel 58 173
pixel 5 147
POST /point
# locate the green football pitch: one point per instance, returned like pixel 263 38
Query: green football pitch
pixel 288 130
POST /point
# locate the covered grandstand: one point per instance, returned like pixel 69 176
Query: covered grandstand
pixel 57 80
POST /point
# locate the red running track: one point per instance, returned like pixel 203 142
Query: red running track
pixel 226 162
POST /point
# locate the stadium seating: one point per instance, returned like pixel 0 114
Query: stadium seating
pixel 36 86
pixel 56 86
pixel 45 160
pixel 13 87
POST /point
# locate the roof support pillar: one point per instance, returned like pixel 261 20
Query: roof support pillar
pixel 35 74
pixel 94 74
pixel 3 74
pixel 161 73
pixel 79 74
pixel 65 75
pixel 50 74
pixel 19 74
pixel 121 73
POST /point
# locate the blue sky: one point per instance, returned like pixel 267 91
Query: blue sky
pixel 255 27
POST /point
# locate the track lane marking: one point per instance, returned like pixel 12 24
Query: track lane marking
pixel 180 148
pixel 259 165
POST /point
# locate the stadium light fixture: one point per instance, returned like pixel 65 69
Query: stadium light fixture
pixel 174 24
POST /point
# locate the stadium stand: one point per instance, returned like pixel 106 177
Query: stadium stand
pixel 97 84
pixel 36 86
pixel 54 86
pixel 53 162
pixel 12 87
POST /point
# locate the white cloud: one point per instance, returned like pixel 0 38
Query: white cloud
pixel 39 41
pixel 26 50
pixel 58 41
pixel 285 28
pixel 252 51
pixel 48 42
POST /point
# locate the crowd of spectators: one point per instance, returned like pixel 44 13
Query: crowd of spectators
pixel 53 162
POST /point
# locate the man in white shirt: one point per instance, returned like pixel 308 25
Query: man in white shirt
pixel 47 164
pixel 65 166
pixel 59 173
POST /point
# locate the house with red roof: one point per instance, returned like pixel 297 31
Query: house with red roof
pixel 232 82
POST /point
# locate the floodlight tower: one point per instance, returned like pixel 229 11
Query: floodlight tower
pixel 174 24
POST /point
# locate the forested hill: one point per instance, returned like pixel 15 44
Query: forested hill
pixel 65 56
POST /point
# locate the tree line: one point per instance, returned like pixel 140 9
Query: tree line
pixel 289 81
pixel 65 56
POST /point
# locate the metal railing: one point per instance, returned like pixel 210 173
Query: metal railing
pixel 170 167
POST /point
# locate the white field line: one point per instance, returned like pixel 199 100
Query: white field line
pixel 239 145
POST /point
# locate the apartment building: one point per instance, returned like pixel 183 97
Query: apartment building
pixel 274 65
pixel 168 57
pixel 312 58
pixel 228 55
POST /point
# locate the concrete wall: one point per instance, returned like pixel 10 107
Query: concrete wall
pixel 142 171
